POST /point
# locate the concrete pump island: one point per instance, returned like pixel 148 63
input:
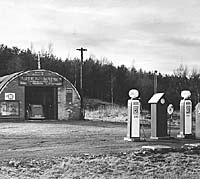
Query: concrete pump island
pixel 161 110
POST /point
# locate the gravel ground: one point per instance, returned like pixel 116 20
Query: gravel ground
pixel 89 149
pixel 112 165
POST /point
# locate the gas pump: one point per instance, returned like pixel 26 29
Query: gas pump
pixel 197 126
pixel 185 115
pixel 133 126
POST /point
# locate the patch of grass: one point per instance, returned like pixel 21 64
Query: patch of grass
pixel 111 113
pixel 115 113
pixel 94 104
pixel 104 111
pixel 172 165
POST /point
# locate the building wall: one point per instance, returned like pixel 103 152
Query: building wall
pixel 68 105
pixel 68 110
pixel 13 87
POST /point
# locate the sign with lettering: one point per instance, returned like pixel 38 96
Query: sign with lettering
pixel 40 80
pixel 170 109
pixel 9 108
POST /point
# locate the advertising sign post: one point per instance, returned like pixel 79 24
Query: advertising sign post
pixel 170 110
pixel 158 116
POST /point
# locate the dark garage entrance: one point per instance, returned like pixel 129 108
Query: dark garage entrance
pixel 44 98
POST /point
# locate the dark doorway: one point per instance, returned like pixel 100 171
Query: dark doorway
pixel 45 96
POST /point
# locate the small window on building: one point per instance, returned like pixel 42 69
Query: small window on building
pixel 69 96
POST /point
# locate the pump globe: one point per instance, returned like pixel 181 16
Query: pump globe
pixel 185 94
pixel 133 93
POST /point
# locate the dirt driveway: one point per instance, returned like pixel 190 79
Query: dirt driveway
pixel 58 138
pixel 86 149
pixel 40 139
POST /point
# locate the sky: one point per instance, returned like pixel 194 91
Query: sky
pixel 149 34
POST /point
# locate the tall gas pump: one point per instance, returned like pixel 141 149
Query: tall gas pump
pixel 197 117
pixel 133 125
pixel 185 115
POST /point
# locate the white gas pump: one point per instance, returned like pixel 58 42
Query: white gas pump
pixel 185 115
pixel 197 126
pixel 188 117
pixel 133 125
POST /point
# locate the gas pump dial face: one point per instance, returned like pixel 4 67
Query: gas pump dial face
pixel 162 101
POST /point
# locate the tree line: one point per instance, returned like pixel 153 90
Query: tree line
pixel 103 80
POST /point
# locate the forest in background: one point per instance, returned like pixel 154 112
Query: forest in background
pixel 102 80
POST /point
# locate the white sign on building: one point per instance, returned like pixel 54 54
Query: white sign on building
pixel 9 96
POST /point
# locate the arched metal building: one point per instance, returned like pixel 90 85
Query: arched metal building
pixel 38 94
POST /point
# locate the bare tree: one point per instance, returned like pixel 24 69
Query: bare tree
pixel 32 47
pixel 50 48
pixel 181 71
pixel 194 80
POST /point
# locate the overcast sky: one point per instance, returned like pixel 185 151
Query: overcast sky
pixel 149 34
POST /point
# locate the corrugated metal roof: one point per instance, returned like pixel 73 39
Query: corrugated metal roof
pixel 5 79
pixel 155 98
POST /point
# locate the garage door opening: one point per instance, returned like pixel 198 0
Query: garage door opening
pixel 41 103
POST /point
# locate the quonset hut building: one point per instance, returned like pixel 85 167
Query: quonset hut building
pixel 38 94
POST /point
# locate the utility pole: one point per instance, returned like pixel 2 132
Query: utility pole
pixel 155 81
pixel 75 74
pixel 111 88
pixel 81 81
pixel 39 64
